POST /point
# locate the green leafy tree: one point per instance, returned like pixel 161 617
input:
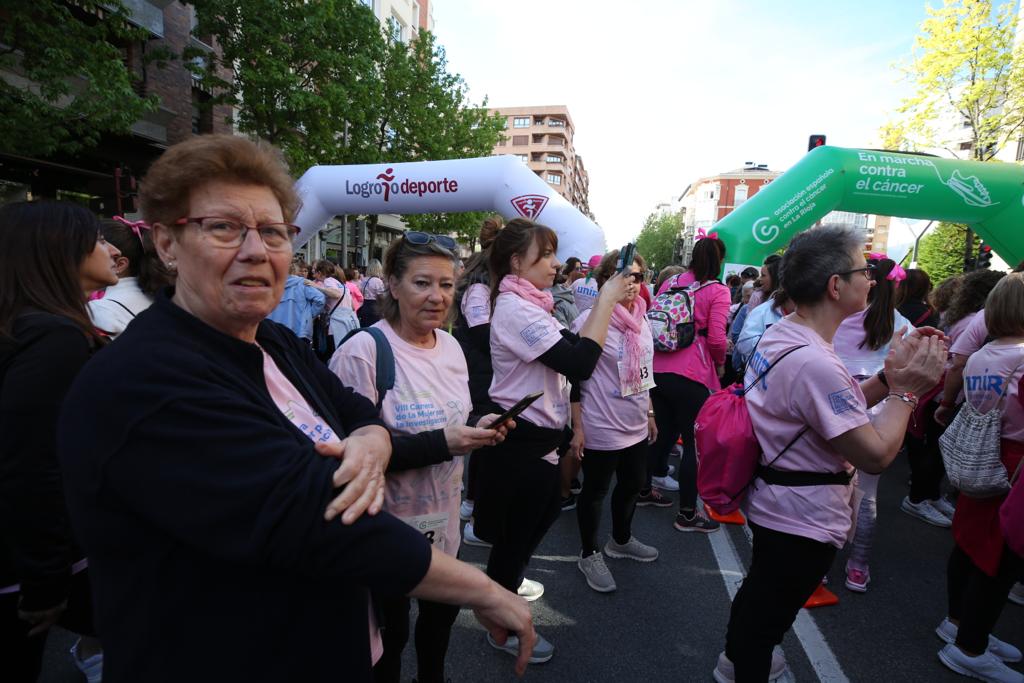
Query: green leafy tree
pixel 657 239
pixel 941 253
pixel 965 62
pixel 74 81
pixel 306 75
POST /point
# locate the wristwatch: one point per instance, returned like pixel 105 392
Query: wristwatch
pixel 881 377
pixel 650 413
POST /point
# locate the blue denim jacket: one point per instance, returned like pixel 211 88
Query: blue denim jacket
pixel 300 303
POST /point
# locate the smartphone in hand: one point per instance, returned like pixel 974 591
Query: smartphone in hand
pixel 626 256
pixel 515 410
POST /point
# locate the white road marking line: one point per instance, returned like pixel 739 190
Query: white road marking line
pixel 820 655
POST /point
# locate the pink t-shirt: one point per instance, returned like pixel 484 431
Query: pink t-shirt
pixel 611 421
pixel 476 304
pixel 961 326
pixel 520 332
pixel 344 302
pixel 372 288
pixel 861 361
pixel 711 312
pixel 584 293
pixel 295 407
pixel 756 298
pixel 971 336
pixel 985 376
pixel 809 387
pixel 357 296
pixel 431 392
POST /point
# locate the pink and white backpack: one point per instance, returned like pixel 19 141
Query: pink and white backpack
pixel 671 316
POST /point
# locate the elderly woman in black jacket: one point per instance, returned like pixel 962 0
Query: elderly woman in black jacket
pixel 201 457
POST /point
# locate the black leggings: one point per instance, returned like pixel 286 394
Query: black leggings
pixel 926 468
pixel 22 656
pixel 433 630
pixel 784 571
pixel 676 400
pixel 630 467
pixel 520 498
pixel 976 599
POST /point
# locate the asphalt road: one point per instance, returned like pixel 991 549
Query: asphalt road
pixel 666 621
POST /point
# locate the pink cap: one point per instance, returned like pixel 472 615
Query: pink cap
pixel 594 261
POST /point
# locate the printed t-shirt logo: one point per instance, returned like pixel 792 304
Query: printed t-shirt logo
pixel 535 332
pixel 529 205
pixel 842 401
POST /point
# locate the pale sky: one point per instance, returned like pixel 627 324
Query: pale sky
pixel 664 92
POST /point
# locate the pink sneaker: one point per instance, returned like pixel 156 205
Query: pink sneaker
pixel 857 579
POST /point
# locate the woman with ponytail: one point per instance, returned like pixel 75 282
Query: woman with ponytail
pixel 531 352
pixel 612 427
pixel 140 274
pixel 862 343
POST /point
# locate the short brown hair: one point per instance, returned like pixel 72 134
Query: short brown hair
pixel 400 254
pixel 167 187
pixel 606 269
pixel 1004 307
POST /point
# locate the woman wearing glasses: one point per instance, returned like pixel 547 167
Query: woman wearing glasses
pixel 804 405
pixel 428 413
pixel 226 538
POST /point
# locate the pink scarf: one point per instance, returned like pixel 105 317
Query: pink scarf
pixel 525 290
pixel 628 323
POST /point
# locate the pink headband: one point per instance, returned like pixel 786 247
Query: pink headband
pixel 701 234
pixel 896 275
pixel 136 226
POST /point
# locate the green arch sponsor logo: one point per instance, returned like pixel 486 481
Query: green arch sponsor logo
pixel 989 197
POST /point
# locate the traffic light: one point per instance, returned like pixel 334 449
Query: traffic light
pixel 815 141
pixel 984 256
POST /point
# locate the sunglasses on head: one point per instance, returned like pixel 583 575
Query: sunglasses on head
pixel 421 238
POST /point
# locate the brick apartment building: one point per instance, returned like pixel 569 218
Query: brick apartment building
pixel 542 138
pixel 107 170
pixel 708 200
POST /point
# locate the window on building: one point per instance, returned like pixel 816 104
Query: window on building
pixel 397 29
pixel 966 145
pixel 521 122
pixel 502 142
pixel 202 113
pixel 523 158
pixel 554 179
pixel 741 194
pixel 556 141
pixel 1020 148
pixel 520 139
pixel 554 159
pixel 556 123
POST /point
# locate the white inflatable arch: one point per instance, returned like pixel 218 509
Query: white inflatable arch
pixel 501 184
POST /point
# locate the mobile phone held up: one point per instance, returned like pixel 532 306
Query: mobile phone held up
pixel 515 410
pixel 626 256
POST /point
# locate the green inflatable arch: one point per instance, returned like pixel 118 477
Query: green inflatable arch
pixel 986 196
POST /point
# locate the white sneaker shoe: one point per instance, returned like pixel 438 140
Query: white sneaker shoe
pixel 947 631
pixel 725 672
pixel 1017 594
pixel 665 483
pixel 469 538
pixel 530 590
pixel 986 666
pixel 925 512
pixel 631 550
pixel 466 510
pixel 543 651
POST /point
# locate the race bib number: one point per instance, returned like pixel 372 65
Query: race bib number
pixel 433 527
pixel 646 377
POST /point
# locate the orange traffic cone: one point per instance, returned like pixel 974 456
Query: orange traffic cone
pixel 822 597
pixel 734 517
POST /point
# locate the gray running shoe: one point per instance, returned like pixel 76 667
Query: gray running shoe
pixel 543 651
pixel 596 572
pixel 631 550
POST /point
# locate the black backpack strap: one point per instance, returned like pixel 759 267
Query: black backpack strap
pixel 782 478
pixel 773 364
pixel 115 301
pixel 384 373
